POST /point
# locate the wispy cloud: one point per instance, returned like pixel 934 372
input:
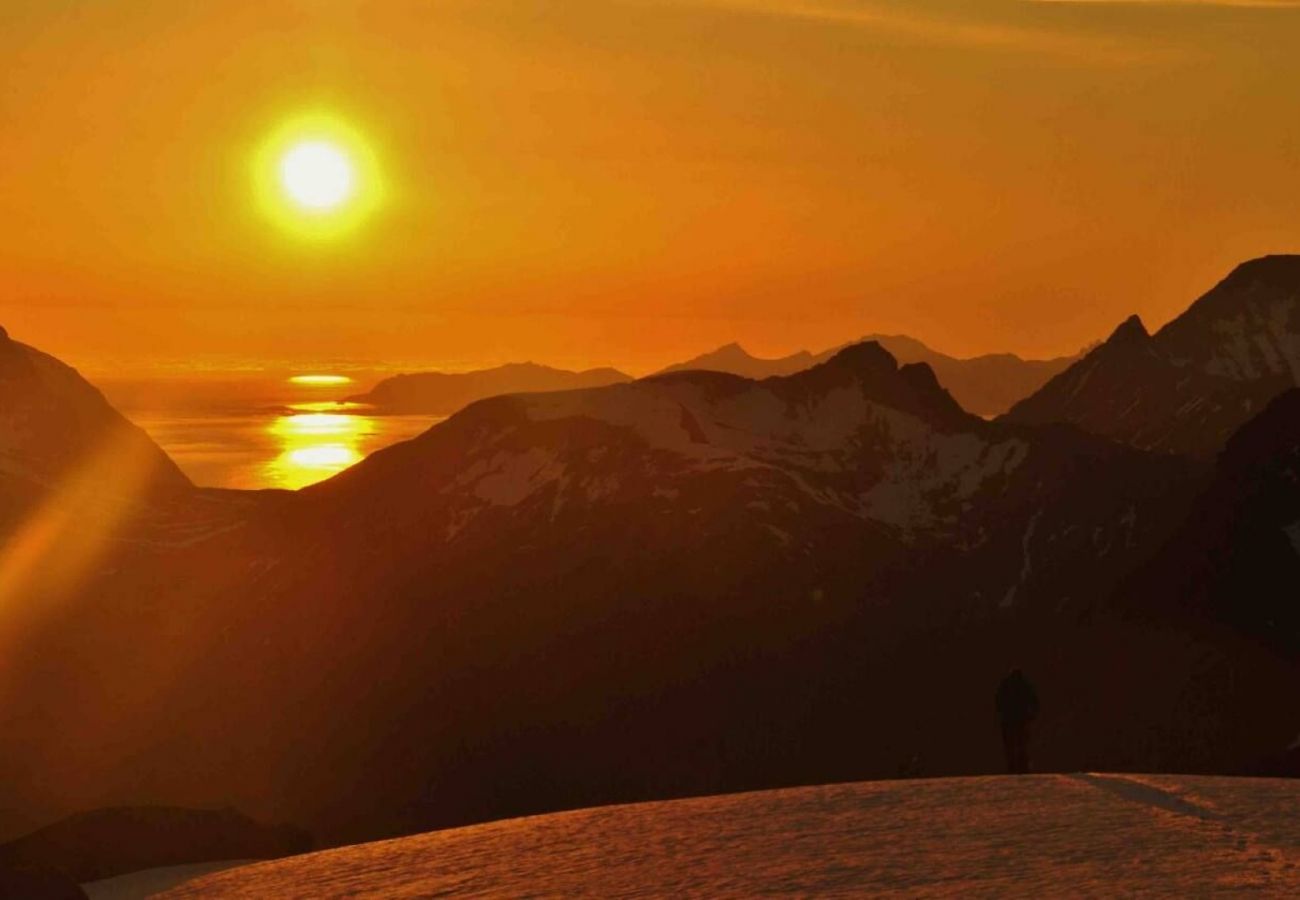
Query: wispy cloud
pixel 901 21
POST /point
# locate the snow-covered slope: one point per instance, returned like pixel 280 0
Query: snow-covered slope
pixel 1188 387
pixel 1032 836
pixel 857 438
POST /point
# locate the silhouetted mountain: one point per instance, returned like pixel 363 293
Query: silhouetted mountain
pixel 108 842
pixel 690 583
pixel 856 436
pixel 737 360
pixel 1236 560
pixel 984 385
pixel 440 393
pixel 687 583
pixel 1188 387
pixel 53 423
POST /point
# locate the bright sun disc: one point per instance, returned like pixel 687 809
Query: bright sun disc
pixel 317 175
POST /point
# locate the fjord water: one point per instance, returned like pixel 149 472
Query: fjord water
pixel 252 431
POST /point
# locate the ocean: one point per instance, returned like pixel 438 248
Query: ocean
pixel 257 430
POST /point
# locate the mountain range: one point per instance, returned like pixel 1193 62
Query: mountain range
pixel 689 583
pixel 1189 386
pixel 985 385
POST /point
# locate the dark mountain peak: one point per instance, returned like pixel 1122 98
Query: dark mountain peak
pixel 903 346
pixel 4 335
pixel 728 354
pixel 1268 279
pixel 864 358
pixel 1189 386
pixel 1279 270
pixel 52 419
pixel 1130 331
pixel 913 388
pixel 921 377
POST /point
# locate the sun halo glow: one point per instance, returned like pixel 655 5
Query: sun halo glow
pixel 317 177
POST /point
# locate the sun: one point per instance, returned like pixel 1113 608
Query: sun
pixel 317 175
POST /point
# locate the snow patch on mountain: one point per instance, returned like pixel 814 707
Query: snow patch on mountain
pixel 507 479
pixel 1293 532
pixel 929 472
pixel 1258 342
pixel 683 417
pixel 818 440
pixel 1026 565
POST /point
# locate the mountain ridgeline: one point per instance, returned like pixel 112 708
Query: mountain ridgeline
pixel 692 583
pixel 58 433
pixel 1189 386
pixel 985 385
pixel 50 418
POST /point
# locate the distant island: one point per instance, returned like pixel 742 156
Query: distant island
pixel 443 393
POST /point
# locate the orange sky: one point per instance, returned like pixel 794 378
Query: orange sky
pixel 635 181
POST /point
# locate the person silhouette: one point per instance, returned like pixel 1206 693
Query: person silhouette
pixel 1017 704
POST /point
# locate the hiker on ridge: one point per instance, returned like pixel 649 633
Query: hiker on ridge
pixel 1017 704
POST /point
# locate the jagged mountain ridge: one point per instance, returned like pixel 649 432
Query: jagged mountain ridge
pixel 688 583
pixel 858 432
pixel 590 567
pixel 984 385
pixel 686 536
pixel 1193 383
pixel 987 385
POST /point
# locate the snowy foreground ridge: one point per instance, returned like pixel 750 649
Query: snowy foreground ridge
pixel 1083 835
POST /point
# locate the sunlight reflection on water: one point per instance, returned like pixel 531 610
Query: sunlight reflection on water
pixel 286 433
pixel 316 445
